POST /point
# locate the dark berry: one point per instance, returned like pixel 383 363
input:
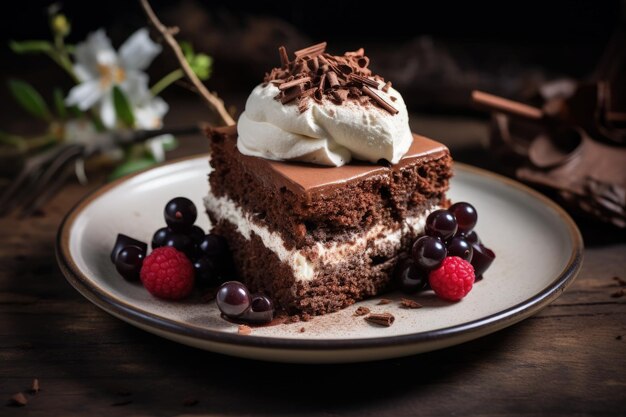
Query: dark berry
pixel 233 299
pixel 428 252
pixel 205 271
pixel 123 241
pixel 471 237
pixel 181 243
pixel 214 246
pixel 482 259
pixel 458 246
pixel 180 214
pixel 160 237
pixel 129 262
pixel 441 224
pixel 410 277
pixel 196 234
pixel 465 215
pixel 261 310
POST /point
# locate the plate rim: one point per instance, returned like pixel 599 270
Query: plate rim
pixel 136 316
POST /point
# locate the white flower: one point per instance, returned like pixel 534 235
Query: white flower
pixel 99 67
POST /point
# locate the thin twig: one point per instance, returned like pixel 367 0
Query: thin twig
pixel 216 103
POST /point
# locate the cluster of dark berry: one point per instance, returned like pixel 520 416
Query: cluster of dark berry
pixel 208 253
pixel 449 233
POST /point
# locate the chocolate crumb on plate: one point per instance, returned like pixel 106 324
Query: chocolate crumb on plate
pixel 618 294
pixel 618 337
pixel 244 330
pixel 384 301
pixel 408 303
pixel 302 330
pixel 34 388
pixel 382 319
pixel 361 311
pixel 18 400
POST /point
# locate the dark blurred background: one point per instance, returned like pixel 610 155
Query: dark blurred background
pixel 434 56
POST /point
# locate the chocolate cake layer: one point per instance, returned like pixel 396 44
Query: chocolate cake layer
pixel 307 203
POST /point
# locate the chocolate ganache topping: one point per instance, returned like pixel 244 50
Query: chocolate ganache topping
pixel 324 109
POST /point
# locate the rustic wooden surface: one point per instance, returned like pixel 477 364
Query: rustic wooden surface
pixel 570 359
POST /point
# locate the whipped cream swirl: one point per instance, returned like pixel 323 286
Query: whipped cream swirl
pixel 325 133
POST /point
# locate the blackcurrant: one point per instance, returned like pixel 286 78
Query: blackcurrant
pixel 214 246
pixel 428 252
pixel 410 277
pixel 441 224
pixel 129 262
pixel 181 243
pixel 160 237
pixel 180 213
pixel 459 246
pixel 233 299
pixel 465 215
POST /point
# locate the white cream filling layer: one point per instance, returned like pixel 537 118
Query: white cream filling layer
pixel 302 261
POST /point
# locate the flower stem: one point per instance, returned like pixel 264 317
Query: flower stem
pixel 166 81
pixel 62 57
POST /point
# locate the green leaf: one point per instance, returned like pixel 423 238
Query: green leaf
pixel 122 107
pixel 202 64
pixel 30 47
pixel 12 140
pixel 59 102
pixel 132 165
pixel 29 99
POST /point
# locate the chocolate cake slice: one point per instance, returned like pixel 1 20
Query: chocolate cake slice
pixel 317 239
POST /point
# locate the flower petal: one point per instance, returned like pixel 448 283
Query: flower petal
pixel 107 110
pixel 84 95
pixel 135 86
pixel 95 50
pixel 149 115
pixel 138 51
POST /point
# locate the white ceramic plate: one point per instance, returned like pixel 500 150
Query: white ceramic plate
pixel 538 248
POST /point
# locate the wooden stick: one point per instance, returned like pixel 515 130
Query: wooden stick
pixel 168 34
pixel 504 105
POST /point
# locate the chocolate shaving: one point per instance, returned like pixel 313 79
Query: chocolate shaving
pixel 382 319
pixel 384 301
pixel 387 86
pixel 312 50
pixel 364 80
pixel 293 83
pixel 316 75
pixel 408 303
pixel 284 58
pixel 379 100
pixel 361 311
pixel 19 400
pixel 332 79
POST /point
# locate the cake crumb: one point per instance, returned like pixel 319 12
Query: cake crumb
pixel 294 319
pixel 408 303
pixel 384 301
pixel 382 319
pixel 302 330
pixel 19 400
pixel 361 311
pixel 244 330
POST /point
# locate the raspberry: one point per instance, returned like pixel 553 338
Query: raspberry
pixel 453 279
pixel 167 273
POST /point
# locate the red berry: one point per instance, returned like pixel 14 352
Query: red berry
pixel 453 279
pixel 167 273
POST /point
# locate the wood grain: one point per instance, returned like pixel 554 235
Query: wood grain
pixel 567 360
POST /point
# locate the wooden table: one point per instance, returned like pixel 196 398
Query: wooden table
pixel 570 359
